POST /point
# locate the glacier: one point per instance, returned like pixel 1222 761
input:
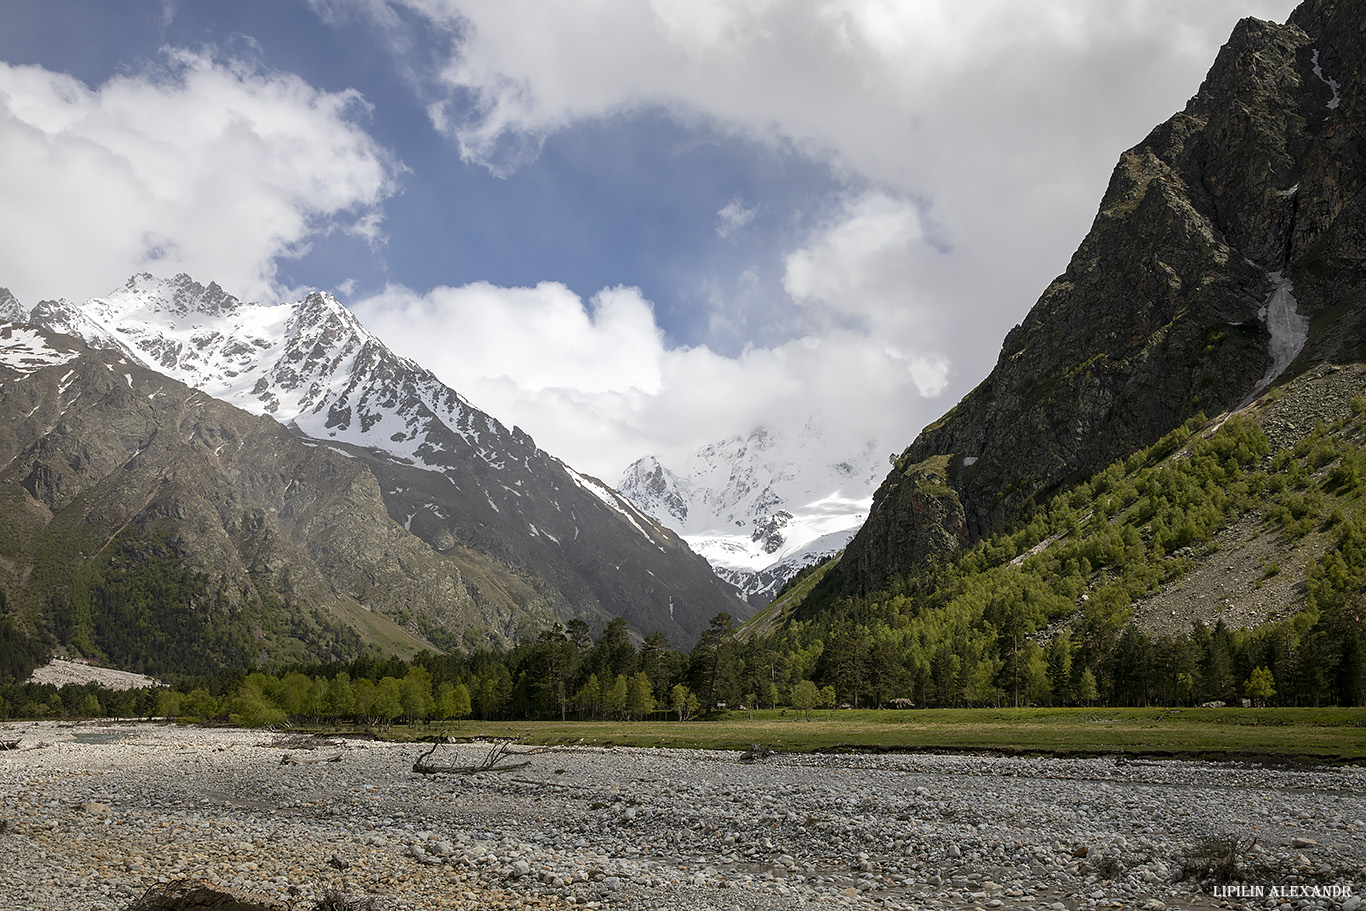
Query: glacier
pixel 761 507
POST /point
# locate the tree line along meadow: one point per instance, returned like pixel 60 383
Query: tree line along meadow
pixel 1038 616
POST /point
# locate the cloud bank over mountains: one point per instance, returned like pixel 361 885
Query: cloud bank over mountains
pixel 598 376
pixel 972 140
pixel 961 148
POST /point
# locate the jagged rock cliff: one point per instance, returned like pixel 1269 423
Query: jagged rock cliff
pixel 1225 259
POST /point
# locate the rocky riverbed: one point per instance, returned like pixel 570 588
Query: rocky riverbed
pixel 95 814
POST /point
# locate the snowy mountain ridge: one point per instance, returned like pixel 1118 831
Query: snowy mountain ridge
pixel 761 507
pixel 450 473
pixel 311 365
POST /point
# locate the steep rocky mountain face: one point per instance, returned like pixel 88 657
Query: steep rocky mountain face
pixel 10 309
pixel 760 508
pixel 1224 268
pixel 147 523
pixel 535 541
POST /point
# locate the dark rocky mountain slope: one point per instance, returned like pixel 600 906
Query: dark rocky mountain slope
pixel 1224 269
pixel 140 515
pixel 124 491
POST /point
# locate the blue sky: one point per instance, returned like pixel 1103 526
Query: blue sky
pixel 630 202
pixel 631 227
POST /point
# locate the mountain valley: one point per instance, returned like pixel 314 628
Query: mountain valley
pixel 1158 494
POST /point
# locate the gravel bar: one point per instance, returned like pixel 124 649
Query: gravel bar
pixel 95 814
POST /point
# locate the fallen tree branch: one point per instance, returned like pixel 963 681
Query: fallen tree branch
pixel 493 762
pixel 310 760
pixel 509 751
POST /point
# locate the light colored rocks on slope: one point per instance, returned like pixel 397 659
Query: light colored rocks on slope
pixel 60 672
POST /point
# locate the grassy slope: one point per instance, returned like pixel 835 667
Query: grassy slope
pixel 773 614
pixel 1171 501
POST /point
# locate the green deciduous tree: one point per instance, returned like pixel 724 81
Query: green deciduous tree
pixel 388 704
pixel 416 694
pixel 1260 686
pixel 640 697
pixel 614 697
pixel 364 690
pixel 805 697
pixel 250 707
pixel 341 697
pixel 462 701
pixel 827 698
pixel 170 703
pixel 588 700
pixel 1087 693
pixel 684 701
pixel 199 703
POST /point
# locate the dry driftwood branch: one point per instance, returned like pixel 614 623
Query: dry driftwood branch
pixel 493 762
pixel 309 760
pixel 303 742
pixel 531 752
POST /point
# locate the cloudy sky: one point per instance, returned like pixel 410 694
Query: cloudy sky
pixel 628 226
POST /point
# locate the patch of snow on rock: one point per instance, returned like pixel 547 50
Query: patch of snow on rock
pixel 1288 327
pixel 23 350
pixel 1328 81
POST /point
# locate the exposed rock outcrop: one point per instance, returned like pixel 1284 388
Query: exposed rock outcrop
pixel 1255 189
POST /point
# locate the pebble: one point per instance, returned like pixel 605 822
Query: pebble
pixel 98 813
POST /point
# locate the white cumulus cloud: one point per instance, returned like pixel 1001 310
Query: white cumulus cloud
pixel 596 384
pixel 973 138
pixel 206 166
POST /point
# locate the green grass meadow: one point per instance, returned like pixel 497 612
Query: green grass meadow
pixel 1329 735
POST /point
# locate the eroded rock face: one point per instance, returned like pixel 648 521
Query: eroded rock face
pixel 916 515
pixel 1161 313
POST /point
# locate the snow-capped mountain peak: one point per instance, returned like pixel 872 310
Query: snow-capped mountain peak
pixel 311 365
pixel 181 295
pixel 483 495
pixel 656 490
pixel 760 507
pixel 10 308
